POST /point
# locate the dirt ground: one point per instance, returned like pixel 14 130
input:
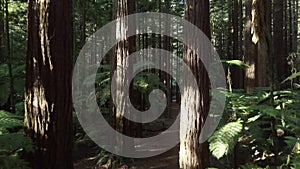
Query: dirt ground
pixel 86 157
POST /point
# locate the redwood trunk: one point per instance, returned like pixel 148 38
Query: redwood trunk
pixel 123 49
pixel 192 154
pixel 48 115
pixel 250 51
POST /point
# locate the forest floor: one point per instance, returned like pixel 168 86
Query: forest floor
pixel 86 156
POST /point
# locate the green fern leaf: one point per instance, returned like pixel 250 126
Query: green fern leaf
pixel 15 141
pixel 223 140
pixel 9 120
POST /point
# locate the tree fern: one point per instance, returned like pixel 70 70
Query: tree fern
pixel 223 140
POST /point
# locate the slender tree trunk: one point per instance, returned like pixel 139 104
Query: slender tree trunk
pixel 285 47
pixel 83 23
pixel 229 40
pixel 250 51
pixel 9 63
pixel 167 46
pixel 48 115
pixel 279 41
pixel 296 31
pixel 294 25
pixel 179 54
pixel 241 71
pixel 192 154
pixel 235 44
pixel 2 33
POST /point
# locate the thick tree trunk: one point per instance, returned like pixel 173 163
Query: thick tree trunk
pixel 261 27
pixel 48 116
pixel 192 154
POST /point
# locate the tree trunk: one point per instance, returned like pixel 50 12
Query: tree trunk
pixel 166 63
pixel 2 33
pixel 48 115
pixel 9 63
pixel 123 49
pixel 192 154
pixel 237 77
pixel 250 52
pixel 241 72
pixel 261 28
pixel 279 41
pixel 83 23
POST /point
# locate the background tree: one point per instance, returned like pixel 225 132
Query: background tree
pixel 250 51
pixel 261 28
pixel 9 63
pixel 192 154
pixel 279 39
pixel 123 49
pixel 2 34
pixel 48 116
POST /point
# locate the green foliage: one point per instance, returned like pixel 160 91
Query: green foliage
pixel 263 120
pixel 11 143
pixel 108 160
pixel 9 121
pixel 12 162
pixel 19 82
pixel 252 166
pixel 15 141
pixel 237 63
pixel 295 161
pixel 145 82
pixel 224 139
pixel 291 77
pixel 4 84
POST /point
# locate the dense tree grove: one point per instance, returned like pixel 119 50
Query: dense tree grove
pixel 258 44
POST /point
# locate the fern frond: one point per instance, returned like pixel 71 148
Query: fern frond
pixel 15 141
pixel 222 141
pixel 9 120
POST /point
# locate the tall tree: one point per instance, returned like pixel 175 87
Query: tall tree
pixel 279 40
pixel 250 51
pixel 192 154
pixel 9 61
pixel 261 29
pixel 48 116
pixel 166 63
pixel 2 33
pixel 235 42
pixel 83 4
pixel 123 49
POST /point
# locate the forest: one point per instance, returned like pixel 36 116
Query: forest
pixel 68 100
